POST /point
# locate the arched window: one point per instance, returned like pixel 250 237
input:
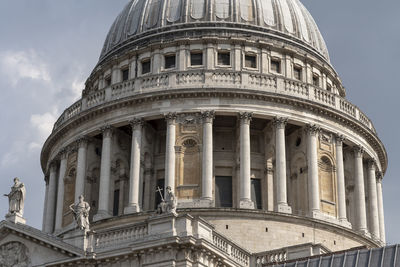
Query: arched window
pixel 327 184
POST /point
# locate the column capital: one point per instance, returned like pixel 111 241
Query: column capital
pixel 107 130
pixel 53 166
pixel 339 139
pixel 372 165
pixel 208 116
pixel 63 153
pixel 245 117
pixel 312 129
pixel 136 123
pixel 358 151
pixel 280 122
pixel 170 117
pixel 379 176
pixel 82 141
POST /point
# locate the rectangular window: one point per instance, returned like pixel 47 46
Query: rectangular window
pixel 250 61
pixel 224 58
pixel 170 62
pixel 160 185
pixel 315 80
pixel 256 193
pixel 223 191
pixel 297 73
pixel 276 65
pixel 125 74
pixel 329 87
pixel 116 203
pixel 145 66
pixel 196 58
pixel 108 81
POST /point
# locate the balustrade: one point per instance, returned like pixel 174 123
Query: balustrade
pixel 272 256
pixel 117 237
pixel 256 81
pixel 232 250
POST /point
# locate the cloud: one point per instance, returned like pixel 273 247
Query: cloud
pixel 17 65
pixel 43 123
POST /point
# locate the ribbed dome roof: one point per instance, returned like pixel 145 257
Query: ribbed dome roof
pixel 282 17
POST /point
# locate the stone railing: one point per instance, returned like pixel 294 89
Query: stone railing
pixel 233 251
pixel 215 79
pixel 271 256
pixel 117 237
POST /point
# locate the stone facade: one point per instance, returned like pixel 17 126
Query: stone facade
pixel 235 107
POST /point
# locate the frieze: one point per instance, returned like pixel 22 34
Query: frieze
pixel 148 97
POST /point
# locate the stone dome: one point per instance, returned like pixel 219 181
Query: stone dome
pixel 277 19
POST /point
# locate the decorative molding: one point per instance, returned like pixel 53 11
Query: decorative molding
pixel 245 117
pixel 280 122
pixel 107 131
pixel 358 151
pixel 170 117
pixel 136 123
pixel 379 176
pixel 208 116
pixel 312 129
pixel 82 142
pixel 372 164
pixel 315 108
pixel 339 139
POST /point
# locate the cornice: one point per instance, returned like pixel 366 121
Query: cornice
pixel 309 105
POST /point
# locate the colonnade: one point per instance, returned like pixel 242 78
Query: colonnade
pixel 55 189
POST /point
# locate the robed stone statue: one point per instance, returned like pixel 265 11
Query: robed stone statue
pixel 16 198
pixel 81 213
pixel 168 205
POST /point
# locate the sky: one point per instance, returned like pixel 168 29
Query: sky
pixel 49 47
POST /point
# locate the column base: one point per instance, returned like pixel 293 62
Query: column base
pixel 133 208
pixel 206 203
pixel 246 204
pixel 15 218
pixel 317 214
pixel 284 208
pixel 364 232
pixel 101 214
pixel 345 223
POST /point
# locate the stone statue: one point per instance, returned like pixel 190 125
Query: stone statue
pixel 168 205
pixel 81 213
pixel 16 198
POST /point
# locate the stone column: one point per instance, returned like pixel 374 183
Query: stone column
pixel 134 175
pixel 380 208
pixel 148 173
pixel 170 152
pixel 245 181
pixel 81 168
pixel 60 190
pixel 312 164
pixel 105 174
pixel 46 180
pixel 373 201
pixel 280 159
pixel 51 198
pixel 341 187
pixel 361 216
pixel 207 162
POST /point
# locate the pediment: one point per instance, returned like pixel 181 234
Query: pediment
pixel 22 245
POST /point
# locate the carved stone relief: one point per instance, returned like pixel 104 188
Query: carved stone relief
pixel 14 254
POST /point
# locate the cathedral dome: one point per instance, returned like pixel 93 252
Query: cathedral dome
pixel 286 20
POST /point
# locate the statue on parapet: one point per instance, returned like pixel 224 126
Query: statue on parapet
pixel 16 199
pixel 81 214
pixel 169 203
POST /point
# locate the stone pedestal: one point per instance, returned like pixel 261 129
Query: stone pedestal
pixel 15 218
pixel 246 204
pixel 284 208
pixel 81 239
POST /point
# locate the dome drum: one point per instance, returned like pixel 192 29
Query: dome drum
pixel 234 107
